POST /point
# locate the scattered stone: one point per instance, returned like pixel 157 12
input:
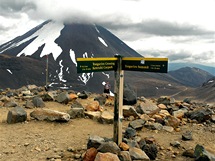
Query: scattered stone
pixel 27 93
pixel 129 96
pixel 48 96
pixel 189 153
pixel 131 143
pixel 94 141
pixel 148 107
pixel 101 100
pixel 124 156
pixel 129 111
pixel 90 154
pixel 213 118
pixel 10 104
pixel 76 104
pixel 149 140
pixel 29 104
pixel 76 113
pixel 94 115
pixel 172 121
pixel 83 95
pixel 165 100
pixel 110 146
pixel 15 115
pixel 106 157
pixel 200 115
pixel 180 113
pixel 138 154
pixel 124 146
pixel 201 154
pixel 175 144
pixel 63 97
pixel 151 151
pixel 187 136
pixel 50 115
pixel 153 126
pixel 130 133
pixel 73 96
pixel 162 106
pixel 38 102
pixel 168 128
pixel 106 117
pixel 137 124
pixel 187 100
pixel 93 106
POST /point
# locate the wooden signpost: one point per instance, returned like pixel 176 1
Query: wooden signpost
pixel 119 64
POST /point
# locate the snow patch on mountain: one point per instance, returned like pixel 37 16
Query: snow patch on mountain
pixel 46 35
pixel 97 29
pixel 85 55
pixel 108 75
pixel 72 56
pixel 102 41
pixel 85 77
pixel 9 71
pixel 60 74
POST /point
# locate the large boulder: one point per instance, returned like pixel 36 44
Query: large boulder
pixel 93 106
pixel 201 154
pixel 38 102
pixel 148 107
pixel 106 157
pixel 200 115
pixel 129 96
pixel 17 114
pixel 63 97
pixel 50 115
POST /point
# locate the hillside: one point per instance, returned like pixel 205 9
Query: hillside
pixel 176 66
pixel 60 45
pixel 191 76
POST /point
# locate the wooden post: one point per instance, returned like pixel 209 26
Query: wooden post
pixel 118 103
pixel 47 68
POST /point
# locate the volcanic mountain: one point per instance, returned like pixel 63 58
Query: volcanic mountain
pixel 191 76
pixel 49 51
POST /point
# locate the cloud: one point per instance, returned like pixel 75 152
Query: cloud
pixel 13 8
pixel 178 30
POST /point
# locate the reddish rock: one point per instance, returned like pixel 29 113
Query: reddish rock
pixel 93 106
pixel 172 121
pixel 162 106
pixel 106 157
pixel 124 146
pixel 90 154
pixel 73 96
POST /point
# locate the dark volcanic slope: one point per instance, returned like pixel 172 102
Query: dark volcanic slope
pixel 193 77
pixel 63 43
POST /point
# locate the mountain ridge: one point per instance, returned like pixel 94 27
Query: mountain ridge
pixel 37 47
pixel 175 66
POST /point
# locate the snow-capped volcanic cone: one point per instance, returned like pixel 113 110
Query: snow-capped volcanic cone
pixel 23 59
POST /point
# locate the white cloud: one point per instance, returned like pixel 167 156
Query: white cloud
pixel 145 25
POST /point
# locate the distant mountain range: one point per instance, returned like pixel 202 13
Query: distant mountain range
pixel 191 76
pixel 24 60
pixel 175 66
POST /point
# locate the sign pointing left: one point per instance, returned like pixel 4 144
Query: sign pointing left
pixel 86 65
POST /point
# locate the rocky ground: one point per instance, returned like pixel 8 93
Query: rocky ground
pixel 164 129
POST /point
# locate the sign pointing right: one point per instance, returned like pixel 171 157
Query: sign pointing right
pixel 159 65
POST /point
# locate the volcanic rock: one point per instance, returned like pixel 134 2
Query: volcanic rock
pixel 17 114
pixel 106 156
pixel 50 115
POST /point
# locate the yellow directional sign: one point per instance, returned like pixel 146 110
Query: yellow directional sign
pixel 86 65
pixel 145 64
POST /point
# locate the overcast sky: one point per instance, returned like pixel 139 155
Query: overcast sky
pixel 182 30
